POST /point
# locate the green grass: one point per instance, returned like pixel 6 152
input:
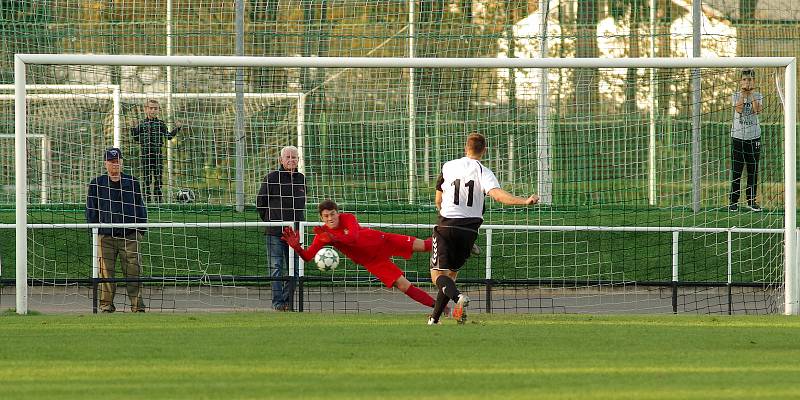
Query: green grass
pixel 323 356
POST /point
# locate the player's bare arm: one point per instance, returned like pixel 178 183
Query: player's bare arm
pixel 510 200
pixel 756 106
pixel 740 103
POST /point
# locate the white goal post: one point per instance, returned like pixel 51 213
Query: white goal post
pixel 792 286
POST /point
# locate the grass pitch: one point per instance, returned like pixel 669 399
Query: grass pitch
pixel 325 356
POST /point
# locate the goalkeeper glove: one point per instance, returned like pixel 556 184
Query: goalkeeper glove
pixel 291 238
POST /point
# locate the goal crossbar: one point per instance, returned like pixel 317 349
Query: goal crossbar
pixel 792 286
pixel 396 62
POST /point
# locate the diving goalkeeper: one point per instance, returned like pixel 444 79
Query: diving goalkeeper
pixel 369 248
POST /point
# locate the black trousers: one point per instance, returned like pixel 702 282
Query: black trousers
pixel 745 154
pixel 152 173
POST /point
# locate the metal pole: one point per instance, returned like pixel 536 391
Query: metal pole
pixel 95 266
pixel 675 261
pixel 45 163
pixel 21 176
pixel 696 98
pixel 117 111
pixel 170 143
pixel 301 126
pixel 792 270
pixel 239 120
pixel 651 154
pixel 544 179
pixel 412 107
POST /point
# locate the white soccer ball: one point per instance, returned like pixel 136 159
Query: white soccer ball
pixel 327 259
pixel 184 196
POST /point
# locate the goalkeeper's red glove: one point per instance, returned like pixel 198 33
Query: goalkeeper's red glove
pixel 291 238
pixel 324 236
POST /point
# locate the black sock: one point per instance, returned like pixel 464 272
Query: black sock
pixel 448 286
pixel 441 303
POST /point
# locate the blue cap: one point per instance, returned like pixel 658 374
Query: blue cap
pixel 113 153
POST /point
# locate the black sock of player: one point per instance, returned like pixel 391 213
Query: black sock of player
pixel 441 303
pixel 448 286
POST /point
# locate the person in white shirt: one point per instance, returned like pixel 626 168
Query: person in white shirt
pixel 460 192
pixel 745 140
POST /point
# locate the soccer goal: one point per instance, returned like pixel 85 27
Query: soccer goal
pixel 634 172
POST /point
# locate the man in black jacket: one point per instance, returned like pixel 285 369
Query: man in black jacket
pixel 151 133
pixel 282 197
pixel 117 198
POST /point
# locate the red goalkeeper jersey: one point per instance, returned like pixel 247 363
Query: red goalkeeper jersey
pixel 359 244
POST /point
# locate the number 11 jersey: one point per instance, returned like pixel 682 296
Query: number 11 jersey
pixel 464 183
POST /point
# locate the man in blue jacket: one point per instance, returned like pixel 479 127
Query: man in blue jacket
pixel 117 198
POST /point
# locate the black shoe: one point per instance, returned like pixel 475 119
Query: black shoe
pixel 733 207
pixel 754 207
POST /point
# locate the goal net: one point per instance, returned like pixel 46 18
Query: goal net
pixel 633 160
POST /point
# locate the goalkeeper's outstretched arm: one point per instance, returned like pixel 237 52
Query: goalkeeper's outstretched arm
pixel 292 238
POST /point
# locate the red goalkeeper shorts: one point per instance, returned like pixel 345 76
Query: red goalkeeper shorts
pixel 385 270
pixel 394 245
pixel 398 245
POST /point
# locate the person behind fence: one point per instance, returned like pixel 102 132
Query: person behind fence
pixel 282 197
pixel 116 197
pixel 745 140
pixel 151 133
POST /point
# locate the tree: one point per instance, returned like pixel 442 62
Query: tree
pixel 467 74
pixel 634 11
pixel 316 34
pixel 431 15
pixel 665 20
pixel 264 16
pixel 747 15
pixel 586 88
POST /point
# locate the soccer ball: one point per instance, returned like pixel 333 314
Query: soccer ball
pixel 184 196
pixel 327 259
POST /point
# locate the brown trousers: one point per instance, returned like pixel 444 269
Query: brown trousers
pixel 128 249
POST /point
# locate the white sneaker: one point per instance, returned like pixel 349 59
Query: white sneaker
pixel 754 207
pixel 432 322
pixel 460 312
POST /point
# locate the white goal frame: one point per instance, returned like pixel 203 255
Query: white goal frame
pixel 791 284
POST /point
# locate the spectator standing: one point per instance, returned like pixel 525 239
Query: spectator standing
pixel 282 197
pixel 116 197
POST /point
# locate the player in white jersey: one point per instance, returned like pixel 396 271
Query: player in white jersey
pixel 460 192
